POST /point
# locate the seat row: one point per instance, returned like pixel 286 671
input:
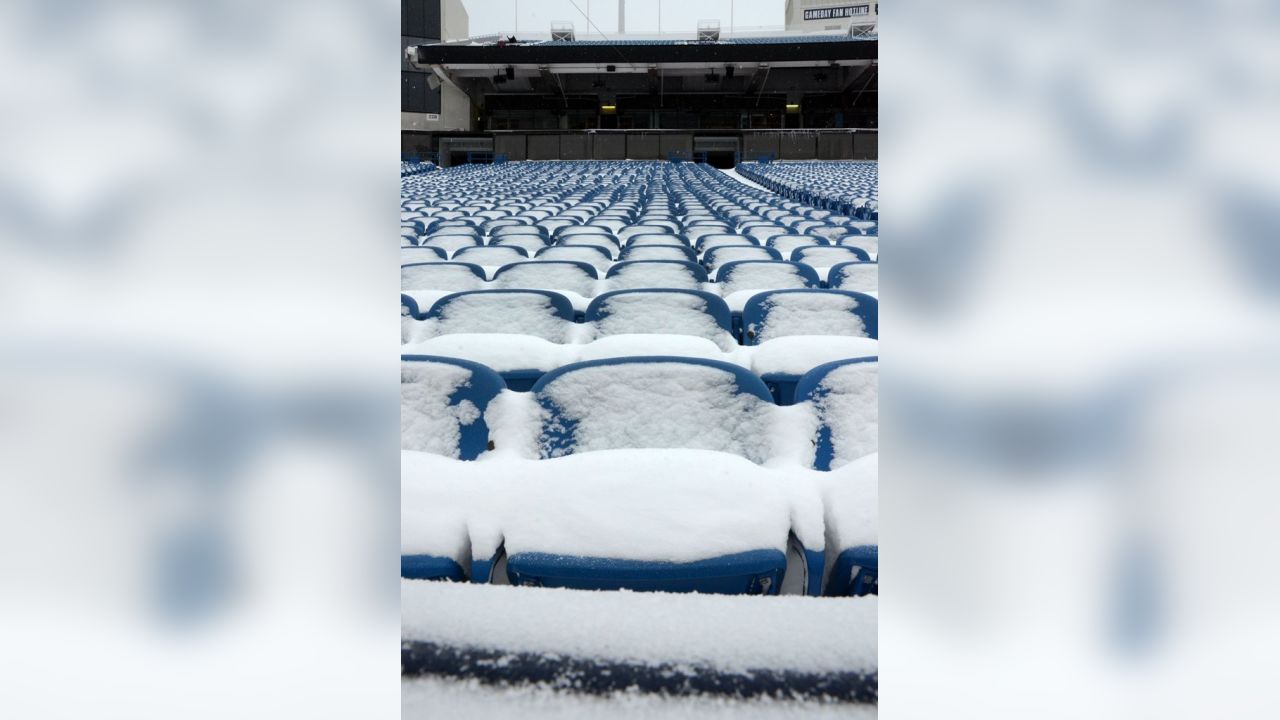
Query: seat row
pixel 551 316
pixel 585 280
pixel 847 187
pixel 647 473
pixel 603 257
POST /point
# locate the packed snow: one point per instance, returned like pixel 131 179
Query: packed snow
pixel 810 314
pixel 427 421
pixel 850 407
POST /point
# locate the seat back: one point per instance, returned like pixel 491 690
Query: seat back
pixel 452 276
pixel 578 277
pixel 675 312
pixel 765 275
pixel 654 402
pixel 442 405
pixel 638 274
pixel 540 313
pixel 828 255
pixel 779 313
pixel 845 395
pixel 857 276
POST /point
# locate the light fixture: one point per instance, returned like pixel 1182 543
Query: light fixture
pixel 792 107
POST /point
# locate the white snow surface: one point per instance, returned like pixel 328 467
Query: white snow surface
pixel 675 505
pixel 861 278
pixel 761 277
pixel 439 277
pixel 508 313
pixel 660 405
pixel 733 634
pixel 851 499
pixel 810 314
pixel 749 183
pixel 669 313
pixel 427 422
pixel 798 354
pixel 436 698
pixel 851 409
pixel 539 276
pixel 657 275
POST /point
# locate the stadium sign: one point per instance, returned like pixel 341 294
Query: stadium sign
pixel 830 13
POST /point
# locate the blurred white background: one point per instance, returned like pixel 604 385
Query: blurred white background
pixel 197 369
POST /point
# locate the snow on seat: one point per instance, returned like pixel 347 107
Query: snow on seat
pixel 451 276
pixel 673 520
pixel 638 274
pixel 531 244
pixel 712 240
pixel 595 255
pixel 539 313
pixel 845 397
pixel 451 244
pixel 781 362
pixel 715 257
pixel 491 255
pixel 654 402
pixel 606 242
pixel 863 277
pixel 566 275
pixel 785 244
pixel 657 252
pixel 844 394
pixel 421 254
pixel 779 313
pixel 740 275
pixel 826 256
pixel 662 311
pixel 850 499
pixel 656 240
pixel 442 407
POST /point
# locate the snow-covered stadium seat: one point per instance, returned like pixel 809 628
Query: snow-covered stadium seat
pixel 674 312
pixel 657 252
pixel 540 313
pixel 451 276
pixel 573 276
pixel 779 313
pixel 845 397
pixel 826 256
pixel 713 258
pixel 638 274
pixel 858 276
pixel 491 255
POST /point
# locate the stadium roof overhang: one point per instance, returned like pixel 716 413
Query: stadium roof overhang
pixel 567 57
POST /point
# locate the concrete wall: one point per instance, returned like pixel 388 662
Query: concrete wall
pixel 575 147
pixel 835 147
pixel 756 144
pixel 609 147
pixel 513 146
pixel 797 146
pixel 544 147
pixel 643 147
pixel 681 144
pixel 454 25
pixel 866 146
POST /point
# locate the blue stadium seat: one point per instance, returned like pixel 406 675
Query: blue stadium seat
pixel 491 255
pixel 573 276
pixel 857 384
pixel 808 312
pixel 436 392
pixel 844 394
pixel 662 240
pixel 422 254
pixel 657 252
pixel 669 311
pixel 423 400
pixel 540 313
pixel 531 244
pixel 713 258
pixel 655 418
pixel 409 307
pixel 451 276
pixel 766 275
pixel 857 276
pixel 827 255
pixel 786 244
pixel 639 274
pixel 710 240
